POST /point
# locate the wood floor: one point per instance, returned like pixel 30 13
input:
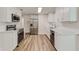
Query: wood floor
pixel 35 43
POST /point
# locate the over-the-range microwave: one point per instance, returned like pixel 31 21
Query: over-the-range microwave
pixel 15 18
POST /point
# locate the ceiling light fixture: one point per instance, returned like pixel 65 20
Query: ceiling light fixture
pixel 39 10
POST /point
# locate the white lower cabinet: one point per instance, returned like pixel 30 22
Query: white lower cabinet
pixel 8 41
pixel 65 42
pixel 77 42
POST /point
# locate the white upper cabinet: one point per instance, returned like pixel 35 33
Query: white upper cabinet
pixel 63 14
pixel 68 14
pixel 73 14
pixel 6 13
pixel 3 13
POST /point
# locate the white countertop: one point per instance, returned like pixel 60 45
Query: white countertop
pixel 4 31
pixel 8 31
pixel 66 31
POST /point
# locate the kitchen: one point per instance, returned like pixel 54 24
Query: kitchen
pixel 58 24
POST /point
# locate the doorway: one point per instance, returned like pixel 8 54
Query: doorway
pixel 34 25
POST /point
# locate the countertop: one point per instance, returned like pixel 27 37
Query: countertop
pixel 9 31
pixel 66 31
pixel 3 31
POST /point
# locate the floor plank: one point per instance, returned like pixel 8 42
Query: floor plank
pixel 35 43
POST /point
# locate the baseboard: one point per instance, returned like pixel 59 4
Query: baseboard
pixel 47 36
pixel 27 33
pixel 55 49
pixel 15 48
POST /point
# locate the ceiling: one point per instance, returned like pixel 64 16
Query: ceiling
pixel 29 10
pixel 34 10
pixel 47 10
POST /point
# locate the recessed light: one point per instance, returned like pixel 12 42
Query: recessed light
pixel 39 10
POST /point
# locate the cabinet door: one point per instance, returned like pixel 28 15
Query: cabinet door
pixel 10 40
pixel 73 14
pixel 2 44
pixel 69 14
pixel 62 14
pixel 65 42
pixel 3 14
pixel 65 16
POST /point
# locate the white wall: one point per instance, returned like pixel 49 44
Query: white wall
pixel 26 23
pixel 43 26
